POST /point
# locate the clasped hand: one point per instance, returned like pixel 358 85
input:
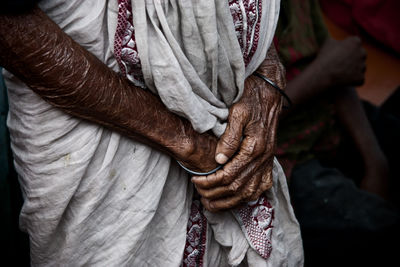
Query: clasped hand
pixel 247 145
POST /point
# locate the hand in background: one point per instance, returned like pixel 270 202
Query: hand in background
pixel 343 61
pixel 338 64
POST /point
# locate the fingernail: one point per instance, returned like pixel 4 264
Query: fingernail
pixel 221 158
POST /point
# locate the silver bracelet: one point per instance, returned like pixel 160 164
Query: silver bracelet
pixel 199 173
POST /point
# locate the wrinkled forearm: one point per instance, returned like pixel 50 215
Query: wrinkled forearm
pixel 70 78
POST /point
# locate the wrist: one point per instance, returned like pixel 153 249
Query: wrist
pixel 197 152
pixel 323 73
pixel 274 86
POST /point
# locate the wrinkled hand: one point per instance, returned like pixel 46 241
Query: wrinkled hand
pixel 343 61
pixel 197 153
pixel 254 118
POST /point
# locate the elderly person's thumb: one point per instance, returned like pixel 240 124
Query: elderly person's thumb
pixel 230 141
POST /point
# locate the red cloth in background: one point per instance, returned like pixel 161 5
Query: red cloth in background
pixel 379 18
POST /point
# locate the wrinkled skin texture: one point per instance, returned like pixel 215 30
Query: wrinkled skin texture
pixel 248 171
pixel 72 79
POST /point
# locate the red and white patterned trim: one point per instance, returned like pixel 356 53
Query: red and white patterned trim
pixel 256 217
pixel 256 220
pixel 196 236
pixel 246 16
pixel 125 49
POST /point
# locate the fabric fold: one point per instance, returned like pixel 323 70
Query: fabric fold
pixel 191 57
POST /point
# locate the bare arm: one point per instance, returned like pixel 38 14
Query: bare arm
pixel 338 63
pixel 353 117
pixel 339 66
pixel 70 78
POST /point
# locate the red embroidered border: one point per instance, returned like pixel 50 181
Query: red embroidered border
pixel 196 236
pixel 257 217
pixel 128 60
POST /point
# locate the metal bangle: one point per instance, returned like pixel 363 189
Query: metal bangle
pixel 199 173
pixel 276 87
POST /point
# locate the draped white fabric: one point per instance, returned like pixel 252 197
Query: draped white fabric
pixel 191 57
pixel 93 197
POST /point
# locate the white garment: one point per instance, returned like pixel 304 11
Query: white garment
pixel 93 197
pixel 191 58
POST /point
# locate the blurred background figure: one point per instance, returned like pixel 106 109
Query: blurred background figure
pixel 337 151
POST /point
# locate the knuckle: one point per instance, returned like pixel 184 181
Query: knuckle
pixel 234 187
pixel 249 149
pixel 254 197
pixel 208 182
pixel 233 203
pixel 267 183
pixel 205 193
pixel 188 148
pixel 238 111
pixel 212 206
pixel 226 177
pixel 260 146
pixel 229 142
pixel 248 193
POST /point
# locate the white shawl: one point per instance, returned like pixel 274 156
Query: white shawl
pixel 191 57
pixel 95 198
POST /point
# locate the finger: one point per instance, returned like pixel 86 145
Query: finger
pixel 251 187
pixel 266 169
pixel 271 137
pixel 233 200
pixel 229 142
pixel 221 204
pixel 234 187
pixel 233 168
pixel 266 184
